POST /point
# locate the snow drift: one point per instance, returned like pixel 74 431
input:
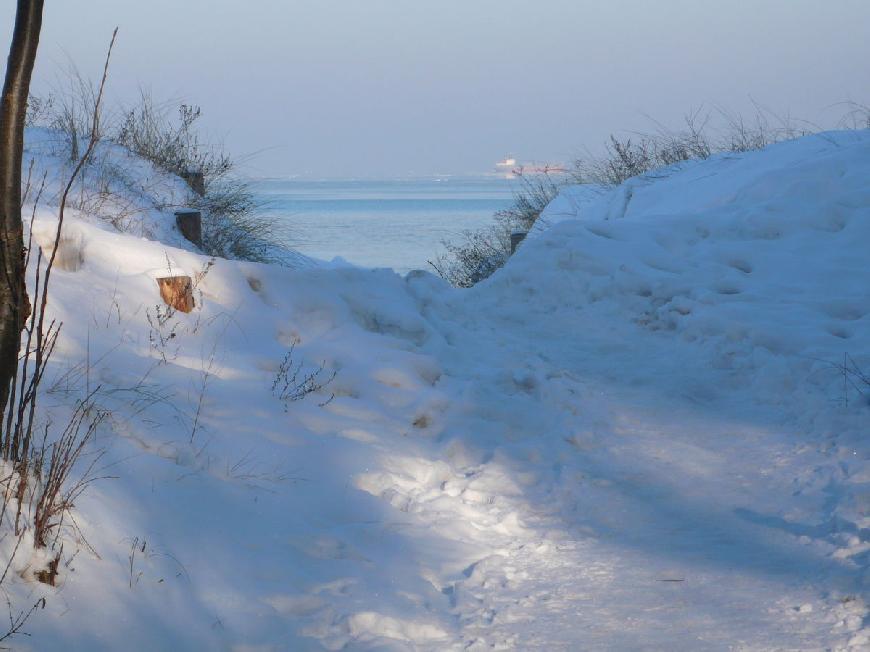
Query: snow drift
pixel 648 431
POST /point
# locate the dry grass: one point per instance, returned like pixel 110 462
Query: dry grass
pixel 296 380
pixel 478 254
pixel 167 135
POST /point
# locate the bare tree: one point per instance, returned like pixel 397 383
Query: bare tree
pixel 14 304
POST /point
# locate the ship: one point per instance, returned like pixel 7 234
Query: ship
pixel 507 165
pixel 511 169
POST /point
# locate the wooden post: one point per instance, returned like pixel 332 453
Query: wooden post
pixel 195 180
pixel 177 292
pixel 516 238
pixel 189 222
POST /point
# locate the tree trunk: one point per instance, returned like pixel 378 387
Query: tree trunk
pixel 14 305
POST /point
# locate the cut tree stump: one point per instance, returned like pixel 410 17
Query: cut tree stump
pixel 516 238
pixel 196 181
pixel 189 222
pixel 177 292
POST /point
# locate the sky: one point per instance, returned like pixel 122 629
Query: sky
pixel 391 88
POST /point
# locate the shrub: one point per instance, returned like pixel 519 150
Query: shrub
pixel 475 257
pixel 166 135
pixel 536 191
pixel 296 380
pixel 478 254
pixel 70 112
pixel 172 144
pixel 857 116
pixel 232 225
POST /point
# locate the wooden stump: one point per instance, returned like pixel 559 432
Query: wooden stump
pixel 516 238
pixel 177 292
pixel 195 180
pixel 189 222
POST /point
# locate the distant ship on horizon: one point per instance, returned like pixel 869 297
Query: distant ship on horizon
pixel 507 166
pixel 511 168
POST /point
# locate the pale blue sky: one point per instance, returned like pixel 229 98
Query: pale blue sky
pixel 395 87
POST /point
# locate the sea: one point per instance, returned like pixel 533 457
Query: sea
pixel 396 223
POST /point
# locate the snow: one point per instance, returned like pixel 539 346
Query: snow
pixel 634 436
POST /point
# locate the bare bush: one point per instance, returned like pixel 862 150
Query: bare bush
pixel 42 469
pixel 536 191
pixel 171 142
pixel 233 226
pixel 475 257
pixel 38 486
pixel 167 135
pixel 55 462
pixel 638 154
pixel 295 380
pixel 143 555
pixel 744 135
pixel 478 254
pixel 67 109
pixel 39 108
pixel 72 112
pixel 857 116
pixel 18 620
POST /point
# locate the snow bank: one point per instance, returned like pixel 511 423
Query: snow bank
pixel 635 435
pixel 117 191
pixel 757 258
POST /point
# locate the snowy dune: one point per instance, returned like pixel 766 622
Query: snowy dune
pixel 633 437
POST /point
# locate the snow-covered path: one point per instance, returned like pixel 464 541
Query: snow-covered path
pixel 609 515
pixel 643 462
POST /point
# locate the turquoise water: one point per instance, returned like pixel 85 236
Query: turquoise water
pixel 382 223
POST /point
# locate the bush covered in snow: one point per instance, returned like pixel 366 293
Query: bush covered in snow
pixel 479 253
pixel 167 136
